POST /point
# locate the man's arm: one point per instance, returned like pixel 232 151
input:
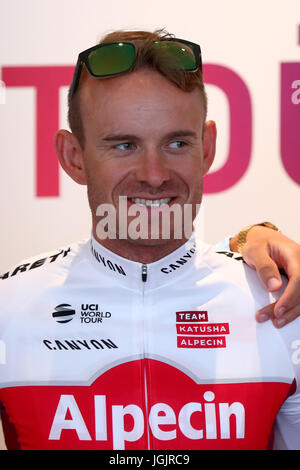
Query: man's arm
pixel 267 251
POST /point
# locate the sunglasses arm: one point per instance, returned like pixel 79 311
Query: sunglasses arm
pixel 76 77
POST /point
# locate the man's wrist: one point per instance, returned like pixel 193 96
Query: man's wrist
pixel 233 243
pixel 238 241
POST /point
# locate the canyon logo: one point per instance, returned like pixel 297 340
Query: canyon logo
pixel 194 331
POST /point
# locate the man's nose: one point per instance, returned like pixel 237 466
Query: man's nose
pixel 152 168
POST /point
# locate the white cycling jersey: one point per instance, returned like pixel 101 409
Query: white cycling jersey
pixel 100 352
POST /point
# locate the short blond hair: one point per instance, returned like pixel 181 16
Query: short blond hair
pixel 146 57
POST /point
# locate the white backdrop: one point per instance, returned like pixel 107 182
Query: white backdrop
pixel 254 39
pixel 251 39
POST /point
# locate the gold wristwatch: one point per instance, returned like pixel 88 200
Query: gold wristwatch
pixel 242 236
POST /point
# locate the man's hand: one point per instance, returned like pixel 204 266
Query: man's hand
pixel 267 251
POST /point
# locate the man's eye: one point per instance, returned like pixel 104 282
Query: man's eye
pixel 125 146
pixel 177 144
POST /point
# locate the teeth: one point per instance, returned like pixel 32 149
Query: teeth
pixel 151 203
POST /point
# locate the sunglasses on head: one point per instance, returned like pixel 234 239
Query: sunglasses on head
pixel 116 58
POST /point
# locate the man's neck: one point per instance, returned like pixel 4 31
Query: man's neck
pixel 141 251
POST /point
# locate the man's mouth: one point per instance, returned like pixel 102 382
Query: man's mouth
pixel 151 202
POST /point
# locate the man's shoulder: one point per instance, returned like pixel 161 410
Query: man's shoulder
pixel 39 267
pixel 219 259
pixel 226 256
pixel 231 262
pixel 230 268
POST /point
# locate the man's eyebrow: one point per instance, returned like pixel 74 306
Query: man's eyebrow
pixel 181 133
pixel 130 137
pixel 118 137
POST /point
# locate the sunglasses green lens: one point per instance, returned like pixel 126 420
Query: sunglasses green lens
pixel 176 55
pixel 111 59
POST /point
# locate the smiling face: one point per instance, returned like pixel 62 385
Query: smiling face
pixel 145 139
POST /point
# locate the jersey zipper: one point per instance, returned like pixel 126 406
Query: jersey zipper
pixel 144 272
pixel 144 335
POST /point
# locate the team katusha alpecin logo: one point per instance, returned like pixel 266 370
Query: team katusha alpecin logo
pixel 195 331
pixel 64 313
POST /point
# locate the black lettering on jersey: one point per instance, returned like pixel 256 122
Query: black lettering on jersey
pixel 230 254
pixel 76 344
pixel 72 344
pixel 4 276
pixel 109 343
pixel 106 262
pixel 62 252
pixel 20 269
pixel 181 261
pixel 35 264
pixel 38 263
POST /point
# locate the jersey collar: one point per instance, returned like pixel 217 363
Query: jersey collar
pixel 138 275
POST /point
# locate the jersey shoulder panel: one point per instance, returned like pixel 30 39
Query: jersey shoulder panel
pixel 33 275
pixel 232 269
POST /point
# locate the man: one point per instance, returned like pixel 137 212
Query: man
pixel 150 342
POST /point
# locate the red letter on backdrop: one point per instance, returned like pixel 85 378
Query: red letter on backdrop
pixel 47 81
pixel 240 138
pixel 290 119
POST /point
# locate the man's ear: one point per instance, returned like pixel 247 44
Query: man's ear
pixel 70 155
pixel 209 144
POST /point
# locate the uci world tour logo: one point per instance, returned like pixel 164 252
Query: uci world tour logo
pixel 63 313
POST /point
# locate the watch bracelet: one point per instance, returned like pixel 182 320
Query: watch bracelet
pixel 242 236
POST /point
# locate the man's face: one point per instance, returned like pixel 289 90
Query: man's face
pixel 144 140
